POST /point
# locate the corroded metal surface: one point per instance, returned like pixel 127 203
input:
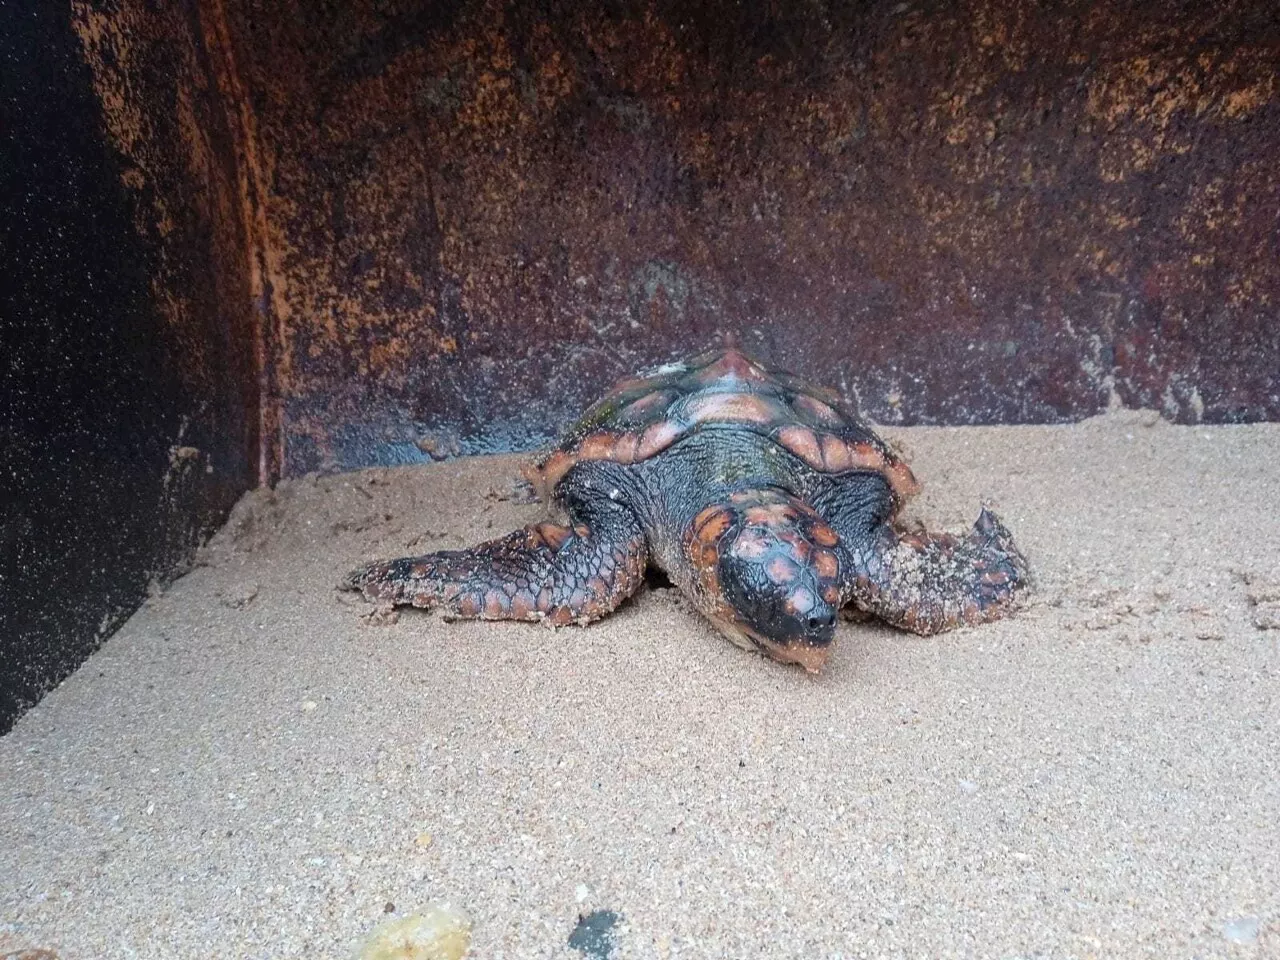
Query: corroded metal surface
pixel 482 213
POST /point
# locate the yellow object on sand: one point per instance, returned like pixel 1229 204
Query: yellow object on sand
pixel 439 932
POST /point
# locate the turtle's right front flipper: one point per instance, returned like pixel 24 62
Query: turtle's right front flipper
pixel 544 572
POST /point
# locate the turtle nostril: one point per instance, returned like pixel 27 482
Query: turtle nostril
pixel 820 621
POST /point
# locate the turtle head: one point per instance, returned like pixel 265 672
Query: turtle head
pixel 771 574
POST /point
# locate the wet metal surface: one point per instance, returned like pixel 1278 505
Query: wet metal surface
pixel 483 213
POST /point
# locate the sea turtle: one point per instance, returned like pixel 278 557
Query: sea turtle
pixel 766 502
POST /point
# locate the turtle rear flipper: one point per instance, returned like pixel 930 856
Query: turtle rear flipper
pixel 544 572
pixel 931 582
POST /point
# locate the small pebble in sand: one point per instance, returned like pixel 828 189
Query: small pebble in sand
pixel 423 840
pixel 596 935
pixel 1241 929
pixel 439 932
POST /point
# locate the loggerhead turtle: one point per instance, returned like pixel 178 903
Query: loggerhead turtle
pixel 765 501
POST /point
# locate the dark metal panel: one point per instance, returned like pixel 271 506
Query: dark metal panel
pixel 956 212
pixel 127 396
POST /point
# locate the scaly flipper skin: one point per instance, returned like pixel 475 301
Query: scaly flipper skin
pixel 560 575
pixel 930 582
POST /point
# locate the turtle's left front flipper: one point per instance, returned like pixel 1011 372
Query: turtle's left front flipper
pixel 544 572
pixel 927 583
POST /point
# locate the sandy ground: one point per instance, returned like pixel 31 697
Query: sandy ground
pixel 249 769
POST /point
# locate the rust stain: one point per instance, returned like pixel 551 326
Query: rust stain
pixel 261 257
pixel 467 219
pixel 162 116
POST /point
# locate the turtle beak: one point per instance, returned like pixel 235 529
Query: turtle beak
pixel 806 655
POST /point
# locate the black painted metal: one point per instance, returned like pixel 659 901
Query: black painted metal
pixel 96 500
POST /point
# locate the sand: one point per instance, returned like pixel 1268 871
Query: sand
pixel 250 769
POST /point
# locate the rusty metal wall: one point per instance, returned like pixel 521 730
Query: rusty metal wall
pixel 979 211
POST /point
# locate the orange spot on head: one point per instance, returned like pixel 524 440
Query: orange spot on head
pixel 831 594
pixel 826 564
pixel 823 535
pixel 781 570
pixel 800 601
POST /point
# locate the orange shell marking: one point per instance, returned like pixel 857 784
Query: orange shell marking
pixel 624 448
pixel 733 363
pixel 902 480
pixel 836 455
pixel 637 409
pixel 802 442
pixel 624 451
pixel 711 523
pixel 833 454
pixel 820 411
pixel 657 438
pixel 734 408
pixel 598 446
